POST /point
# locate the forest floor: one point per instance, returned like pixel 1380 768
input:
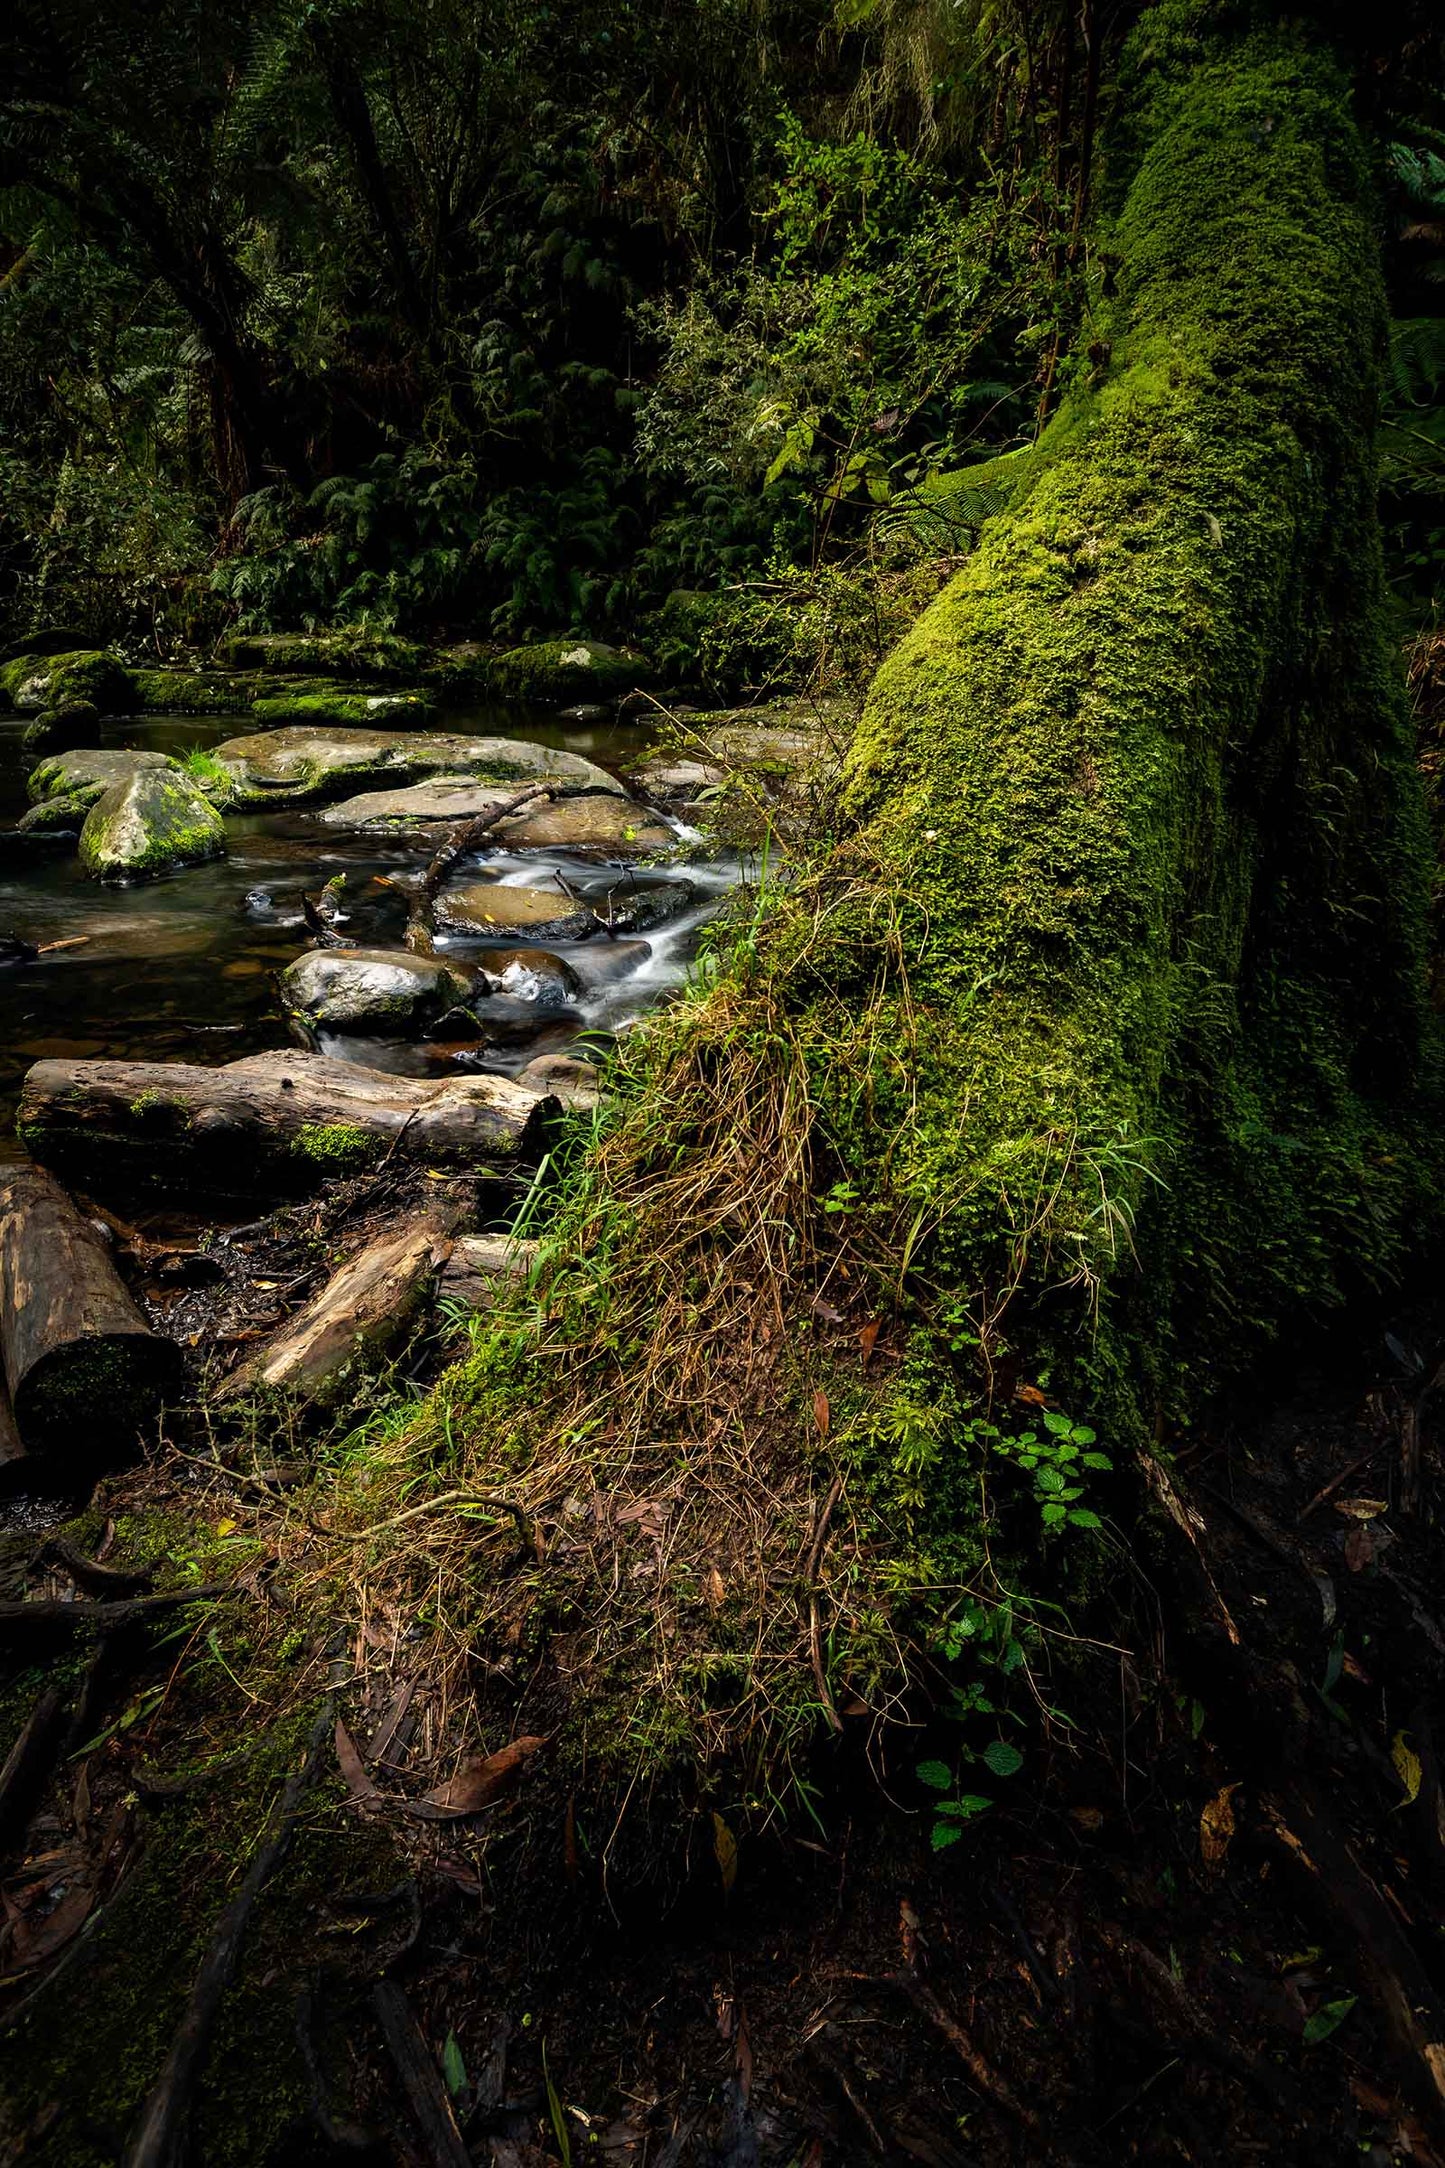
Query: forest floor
pixel 1202 1933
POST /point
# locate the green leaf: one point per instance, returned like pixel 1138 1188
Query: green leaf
pixel 1327 2019
pixel 1060 1425
pixel 965 1807
pixel 1049 1479
pixel 935 1774
pixel 1054 1516
pixel 1082 1518
pixel 944 1833
pixel 454 2070
pixel 1003 1758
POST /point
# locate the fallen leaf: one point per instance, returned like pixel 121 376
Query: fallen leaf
pixel 1087 1817
pixel 1362 1509
pixel 822 1413
pixel 716 1587
pixel 725 1852
pixel 358 1783
pixel 477 1783
pixel 225 1528
pixel 1216 1826
pixel 1407 1767
pixel 34 1944
pixel 868 1336
pixel 1032 1395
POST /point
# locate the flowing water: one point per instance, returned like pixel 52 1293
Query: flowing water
pixel 184 968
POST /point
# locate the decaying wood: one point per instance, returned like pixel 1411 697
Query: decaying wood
pixel 13 1455
pixel 70 1617
pixel 158 2140
pixel 28 1761
pixel 478 1263
pixel 83 1368
pixel 360 1317
pixel 88 1573
pixel 1350 1907
pixel 421 2080
pixel 285 1120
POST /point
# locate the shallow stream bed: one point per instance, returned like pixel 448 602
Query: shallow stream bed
pixel 184 968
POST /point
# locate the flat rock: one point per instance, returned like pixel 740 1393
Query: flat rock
pixel 289 767
pixel 574 1082
pixel 151 821
pixel 492 909
pixel 347 653
pixel 609 824
pixel 386 992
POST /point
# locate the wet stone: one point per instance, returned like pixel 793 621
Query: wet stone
pixel 632 908
pixel 289 767
pixel 492 908
pixel 363 991
pixel 151 821
pixel 508 1021
pixel 534 975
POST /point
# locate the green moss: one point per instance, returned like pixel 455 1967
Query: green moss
pixel 368 711
pixel 54 680
pixel 351 652
pixel 338 1146
pixel 190 692
pixel 558 671
pixel 151 822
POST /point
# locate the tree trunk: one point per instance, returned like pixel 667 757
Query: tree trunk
pixel 279 1121
pixel 85 1372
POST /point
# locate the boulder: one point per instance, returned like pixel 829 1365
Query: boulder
pixel 291 767
pixel 34 682
pixel 351 652
pixel 499 911
pixel 629 908
pixel 611 824
pixel 351 711
pixel 563 672
pixel 60 816
pixel 433 803
pixel 371 992
pixel 573 1082
pixel 151 821
pixel 533 974
pixel 61 729
pixel 87 774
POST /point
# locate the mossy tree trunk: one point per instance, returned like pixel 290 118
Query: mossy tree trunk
pixel 1096 1048
pixel 1142 779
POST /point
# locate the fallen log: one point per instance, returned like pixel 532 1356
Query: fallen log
pixel 478 1263
pixel 14 1460
pixel 83 1369
pixel 359 1318
pixel 283 1121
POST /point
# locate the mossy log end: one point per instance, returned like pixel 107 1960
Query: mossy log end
pixel 1138 791
pixel 281 1122
pixel 83 1369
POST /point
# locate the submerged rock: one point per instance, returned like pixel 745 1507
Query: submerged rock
pixel 366 991
pixel 290 767
pixel 349 710
pixel 151 821
pixel 34 682
pixel 511 1020
pixel 492 908
pixel 563 672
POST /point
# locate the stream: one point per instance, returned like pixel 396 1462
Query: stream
pixel 184 968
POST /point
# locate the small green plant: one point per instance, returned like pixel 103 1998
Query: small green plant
pixel 1055 1460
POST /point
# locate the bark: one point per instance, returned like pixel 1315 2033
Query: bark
pixel 480 1264
pixel 84 1371
pixel 279 1121
pixel 359 1319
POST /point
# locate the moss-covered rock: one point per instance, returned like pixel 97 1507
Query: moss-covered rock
pixel 371 991
pixel 295 766
pixel 356 711
pixel 152 821
pixel 351 652
pixel 61 729
pixel 84 775
pixel 192 692
pixel 554 672
pixel 34 682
